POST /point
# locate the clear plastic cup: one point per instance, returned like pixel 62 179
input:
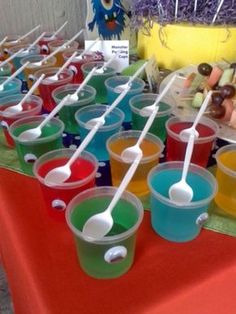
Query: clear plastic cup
pixel 53 45
pixel 113 255
pixel 77 62
pixel 98 79
pixel 113 123
pixel 180 222
pixel 17 60
pixel 47 86
pixel 31 107
pixel 175 150
pixel 137 87
pixel 67 113
pixel 12 41
pixel 152 148
pixel 12 87
pixel 43 43
pixel 29 151
pixel 31 68
pixel 226 177
pixel 83 172
pixel 140 101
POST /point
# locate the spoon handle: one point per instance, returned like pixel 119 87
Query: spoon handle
pixel 85 81
pixel 124 183
pixel 54 111
pixel 105 65
pixel 188 155
pixel 147 125
pixel 29 33
pixel 60 29
pixel 84 143
pixel 36 40
pixel 3 41
pixel 202 109
pixel 11 57
pixel 33 88
pixel 139 71
pixel 89 47
pixel 66 63
pixel 16 73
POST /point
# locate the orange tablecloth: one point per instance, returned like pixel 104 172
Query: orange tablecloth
pixel 167 278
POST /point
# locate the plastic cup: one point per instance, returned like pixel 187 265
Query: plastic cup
pixel 17 60
pixel 98 79
pixel 31 107
pixel 152 148
pixel 226 177
pixel 137 87
pixel 180 222
pixel 76 63
pixel 31 69
pixel 12 87
pixel 43 43
pixel 6 70
pixel 67 113
pixel 138 121
pixel 83 172
pixel 46 87
pixel 113 255
pixel 53 45
pixel 112 126
pixel 29 151
pixel 203 145
pixel 12 42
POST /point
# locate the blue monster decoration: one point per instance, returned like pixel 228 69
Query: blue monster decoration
pixel 109 18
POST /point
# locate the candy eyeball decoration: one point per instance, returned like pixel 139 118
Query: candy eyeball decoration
pixel 204 69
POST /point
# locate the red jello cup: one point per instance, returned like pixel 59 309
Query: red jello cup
pixel 77 62
pixel 83 173
pixel 31 107
pixel 47 38
pixel 175 150
pixel 47 86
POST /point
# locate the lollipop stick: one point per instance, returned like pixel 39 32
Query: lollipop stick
pixel 176 9
pixel 217 11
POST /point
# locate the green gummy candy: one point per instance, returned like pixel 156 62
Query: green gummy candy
pixel 197 100
pixel 226 77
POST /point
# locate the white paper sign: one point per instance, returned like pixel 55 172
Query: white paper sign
pixel 110 47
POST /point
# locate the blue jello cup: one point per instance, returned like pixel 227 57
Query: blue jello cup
pixel 29 151
pixel 98 79
pixel 180 222
pixel 113 255
pixel 12 87
pixel 67 113
pixel 25 53
pixel 137 87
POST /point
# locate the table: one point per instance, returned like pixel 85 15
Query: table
pixel 167 278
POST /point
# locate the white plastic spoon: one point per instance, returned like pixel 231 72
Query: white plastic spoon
pixel 13 76
pixel 55 77
pixel 106 64
pixel 176 9
pixel 3 41
pixel 27 34
pixel 19 107
pixel 60 174
pixel 181 192
pixel 146 111
pixel 131 153
pixel 127 86
pixel 11 57
pixel 97 226
pixel 59 29
pixel 74 97
pixel 184 134
pixel 101 119
pixel 88 48
pixel 34 133
pixel 39 63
